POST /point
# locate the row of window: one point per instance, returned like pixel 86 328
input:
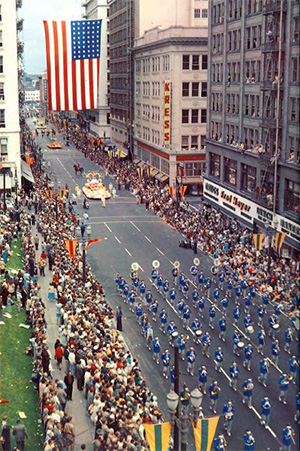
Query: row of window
pixel 192 116
pixel 198 13
pixel 235 10
pixel 193 89
pixel 192 142
pixel 192 62
pixel 155 112
pixel 253 40
pixel 194 169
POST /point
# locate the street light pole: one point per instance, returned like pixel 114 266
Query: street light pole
pixel 176 386
pixel 80 234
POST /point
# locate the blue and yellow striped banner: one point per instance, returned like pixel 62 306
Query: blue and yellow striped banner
pixel 204 433
pixel 158 436
pixel 279 239
pixel 258 239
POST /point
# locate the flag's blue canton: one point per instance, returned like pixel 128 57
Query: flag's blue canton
pixel 86 39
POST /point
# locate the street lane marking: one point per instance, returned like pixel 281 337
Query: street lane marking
pixel 272 363
pixel 128 252
pixel 225 374
pixel 141 267
pixel 134 226
pixel 117 239
pixel 256 413
pixel 271 431
pixel 107 227
pixel 148 239
pixel 159 251
pixel 171 263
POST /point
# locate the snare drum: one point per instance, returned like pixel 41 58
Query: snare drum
pixel 241 344
pixel 276 327
pixel 198 333
pixel 250 329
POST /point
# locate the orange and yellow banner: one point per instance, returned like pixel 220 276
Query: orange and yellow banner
pixel 92 142
pixel 71 246
pixel 98 142
pixel 28 159
pixel 182 190
pixel 204 433
pixel 158 436
pixel 279 239
pixel 49 193
pixel 95 240
pixel 62 193
pixel 171 191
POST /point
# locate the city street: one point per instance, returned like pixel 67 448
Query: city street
pixel 137 235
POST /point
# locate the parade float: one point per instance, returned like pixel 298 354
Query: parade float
pixel 94 188
pixel 54 144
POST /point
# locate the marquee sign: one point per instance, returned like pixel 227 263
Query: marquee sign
pixel 167 111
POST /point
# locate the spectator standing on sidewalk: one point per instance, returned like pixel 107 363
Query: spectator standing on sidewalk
pixel 20 434
pixel 36 240
pixel 69 434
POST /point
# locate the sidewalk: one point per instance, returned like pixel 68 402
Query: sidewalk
pixel 84 428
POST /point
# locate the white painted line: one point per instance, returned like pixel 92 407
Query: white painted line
pixel 225 374
pixel 128 252
pixel 148 239
pixel 141 267
pixel 134 226
pixel 159 251
pixel 271 431
pixel 173 264
pixel 107 227
pixel 277 368
pixel 118 239
pixel 256 413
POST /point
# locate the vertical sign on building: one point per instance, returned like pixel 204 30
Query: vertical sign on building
pixel 167 111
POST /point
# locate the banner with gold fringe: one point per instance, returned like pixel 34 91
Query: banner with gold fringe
pixel 49 193
pixel 158 436
pixel 204 433
pixel 94 240
pixel 182 190
pixel 71 246
pixel 171 191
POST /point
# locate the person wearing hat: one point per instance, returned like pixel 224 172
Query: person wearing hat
pixel 20 434
pixel 220 443
pixel 214 391
pixel 234 373
pixel 283 382
pixel 248 392
pixel 69 435
pixel 166 359
pixel 191 359
pixel 228 413
pixel 265 411
pixel 202 379
pixel 287 438
pixel 5 435
pixel 249 441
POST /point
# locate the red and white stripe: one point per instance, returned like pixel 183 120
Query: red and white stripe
pixel 72 85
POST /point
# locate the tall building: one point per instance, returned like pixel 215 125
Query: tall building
pixel 10 48
pixel 98 120
pixel 170 101
pixel 128 20
pixel 253 116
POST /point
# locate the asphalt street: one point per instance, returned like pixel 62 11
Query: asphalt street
pixel 136 235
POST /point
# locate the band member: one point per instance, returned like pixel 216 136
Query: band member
pixel 166 359
pixel 236 314
pixel 175 275
pixel 181 341
pixel 154 275
pixel 163 316
pixel 263 371
pixel 149 299
pixel 275 348
pixel 165 287
pixel 214 391
pixel 185 288
pixel 287 438
pixel 194 273
pixel 288 338
pixel 272 323
pixel 216 295
pixel 297 414
pixel 196 326
pixel 142 288
pixel 247 304
pixel 212 315
pixel 131 300
pixel 180 307
pixel 185 397
pixel 265 411
pixel 224 303
pixel 228 413
pixel 195 297
pixel 261 314
pixel 154 310
pixel 126 291
pixel 139 312
pixel 170 329
pixel 203 379
pixel 220 443
pixel 181 280
pixel 293 368
pixel 234 374
pixel 221 278
pixel 248 322
pixel 159 282
pixel 236 337
pixel 156 349
pixel 206 342
pixel 191 359
pixel 249 441
pixel 248 387
pixel 222 326
pixel 219 358
pixel 283 382
pixel 207 286
pixel 261 335
pixel 200 281
pixel 201 306
pixel 186 313
pixel 172 295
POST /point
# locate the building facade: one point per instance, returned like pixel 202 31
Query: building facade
pixel 32 95
pixel 98 120
pixel 10 170
pixel 253 115
pixel 170 102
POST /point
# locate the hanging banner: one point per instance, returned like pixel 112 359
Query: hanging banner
pixel 138 171
pixel 158 436
pixel 167 111
pixel 92 142
pixel 71 246
pixel 49 193
pixel 182 191
pixel 98 142
pixel 62 193
pixel 204 433
pixel 258 240
pixel 279 239
pixel 171 191
pixel 95 240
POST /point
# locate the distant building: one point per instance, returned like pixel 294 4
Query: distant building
pixel 253 149
pixel 10 169
pixel 32 95
pixel 170 101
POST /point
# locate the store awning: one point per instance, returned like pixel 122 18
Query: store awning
pixel 164 178
pixel 154 172
pixel 26 171
pixel 141 164
pixel 161 177
pixel 136 161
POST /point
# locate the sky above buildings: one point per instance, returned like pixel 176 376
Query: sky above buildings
pixel 33 13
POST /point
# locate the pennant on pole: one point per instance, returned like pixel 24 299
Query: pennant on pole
pixel 279 239
pixel 98 142
pixel 182 191
pixel 138 171
pixel 62 193
pixel 258 239
pixel 171 191
pixel 49 193
pixel 95 240
pixel 142 171
pixel 204 433
pixel 158 436
pixel 71 246
pixel 92 142
pixel 109 154
pixel 3 401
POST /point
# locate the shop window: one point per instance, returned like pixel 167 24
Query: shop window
pixel 230 171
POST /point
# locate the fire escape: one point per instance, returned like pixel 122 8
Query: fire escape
pixel 273 52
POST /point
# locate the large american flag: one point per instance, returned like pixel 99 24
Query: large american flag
pixel 73 63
